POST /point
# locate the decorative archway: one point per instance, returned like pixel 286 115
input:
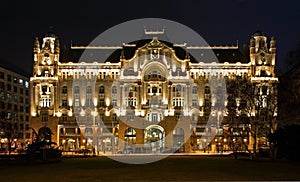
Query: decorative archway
pixel 154 136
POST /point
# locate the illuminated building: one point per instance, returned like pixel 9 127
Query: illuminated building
pixel 14 108
pixel 148 91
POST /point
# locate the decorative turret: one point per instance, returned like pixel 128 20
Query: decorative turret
pixel 36 47
pixel 56 46
pixel 272 45
pixel 262 58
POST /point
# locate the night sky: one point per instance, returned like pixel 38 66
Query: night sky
pixel 217 21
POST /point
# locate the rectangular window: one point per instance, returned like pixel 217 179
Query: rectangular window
pixel 2 85
pixel 22 100
pixel 16 98
pixel 21 91
pixel 8 87
pixel 114 102
pixel 101 103
pixel 194 103
pixel 1 75
pixel 26 84
pixel 76 103
pixel 64 118
pixel 15 80
pixel 15 107
pixel 64 103
pixel 9 78
pixel 15 89
pixel 21 82
pixel 27 92
pixel 44 117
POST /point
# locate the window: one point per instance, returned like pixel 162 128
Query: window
pixel 264 90
pixel 64 118
pixel 207 103
pixel 2 85
pixel 101 90
pixel 76 90
pixel 16 98
pixel 130 116
pixel 44 117
pixel 21 116
pixel 194 89
pixel 22 100
pixel 21 91
pixel 27 92
pixel 64 103
pixel 15 89
pixel 178 102
pixel 64 90
pixel 26 101
pixel 21 108
pixel 21 82
pixel 114 90
pixel 9 97
pixel 9 78
pixel 1 75
pixel 76 103
pixel 88 89
pixel 206 90
pixel 194 103
pixel 101 103
pixel 8 87
pixel 26 84
pixel 114 102
pixel 15 80
pixel 15 107
pixel 89 101
pixel 114 117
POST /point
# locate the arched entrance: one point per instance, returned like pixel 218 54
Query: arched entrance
pixel 155 138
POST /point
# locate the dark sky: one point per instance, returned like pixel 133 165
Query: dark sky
pixel 217 21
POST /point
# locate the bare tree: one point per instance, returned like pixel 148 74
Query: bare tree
pixel 254 104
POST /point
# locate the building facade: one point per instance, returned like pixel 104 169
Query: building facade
pixel 14 108
pixel 153 95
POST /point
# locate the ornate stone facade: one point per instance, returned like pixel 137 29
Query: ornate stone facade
pixel 154 94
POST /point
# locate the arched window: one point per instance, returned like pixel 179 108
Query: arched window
pixel 207 90
pixel 64 90
pixel 114 90
pixel 101 89
pixel 88 89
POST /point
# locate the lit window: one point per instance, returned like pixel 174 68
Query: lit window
pixel 21 82
pixel 26 84
pixel 15 80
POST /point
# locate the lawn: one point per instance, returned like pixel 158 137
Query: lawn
pixel 173 168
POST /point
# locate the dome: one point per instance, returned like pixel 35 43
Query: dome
pixel 50 34
pixel 257 33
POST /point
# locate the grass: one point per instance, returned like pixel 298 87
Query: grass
pixel 173 168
